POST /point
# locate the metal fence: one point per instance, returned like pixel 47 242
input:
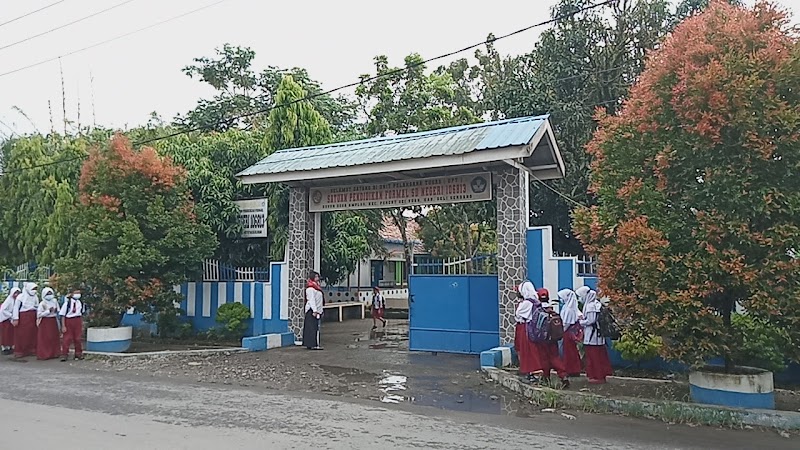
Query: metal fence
pixel 214 270
pixel 480 264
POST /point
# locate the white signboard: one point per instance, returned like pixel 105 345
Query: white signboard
pixel 425 191
pixel 253 217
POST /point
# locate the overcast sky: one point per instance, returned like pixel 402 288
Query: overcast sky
pixel 141 73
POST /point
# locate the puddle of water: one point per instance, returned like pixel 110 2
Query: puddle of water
pixel 392 383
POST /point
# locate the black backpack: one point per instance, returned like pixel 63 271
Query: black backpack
pixel 607 326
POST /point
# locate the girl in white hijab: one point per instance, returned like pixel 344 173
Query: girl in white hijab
pixel 529 363
pixel 573 332
pixel 24 320
pixel 48 342
pixel 6 328
pixel 598 365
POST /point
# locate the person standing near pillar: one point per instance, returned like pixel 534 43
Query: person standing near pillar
pixel 24 321
pixel 548 351
pixel 6 328
pixel 314 312
pixel 530 366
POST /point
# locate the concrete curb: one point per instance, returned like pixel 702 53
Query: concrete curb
pixel 499 357
pixel 169 352
pixel 268 341
pixel 667 411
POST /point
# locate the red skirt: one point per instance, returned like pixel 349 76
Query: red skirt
pixel 572 358
pixel 529 361
pixel 25 334
pixel 7 333
pixel 377 313
pixel 598 366
pixel 48 344
pixel 548 355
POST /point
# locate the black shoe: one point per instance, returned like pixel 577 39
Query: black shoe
pixel 374 327
pixel 384 323
pixel 63 359
pixel 79 358
pixel 565 383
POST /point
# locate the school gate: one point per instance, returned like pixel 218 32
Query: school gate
pixel 451 165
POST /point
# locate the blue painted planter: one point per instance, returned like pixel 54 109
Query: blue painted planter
pixel 109 340
pixel 752 390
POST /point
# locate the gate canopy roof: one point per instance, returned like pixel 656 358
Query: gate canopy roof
pixel 526 141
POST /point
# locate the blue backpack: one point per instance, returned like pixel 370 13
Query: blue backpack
pixel 538 327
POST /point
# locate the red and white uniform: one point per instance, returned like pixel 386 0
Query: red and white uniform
pixel 25 313
pixel 6 312
pixel 598 365
pixel 48 344
pixel 529 361
pixel 72 311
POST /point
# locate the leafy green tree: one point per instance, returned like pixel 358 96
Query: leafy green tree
pixel 347 237
pixel 138 234
pixel 39 191
pixel 242 91
pixel 698 194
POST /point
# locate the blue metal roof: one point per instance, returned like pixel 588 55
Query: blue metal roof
pixel 442 142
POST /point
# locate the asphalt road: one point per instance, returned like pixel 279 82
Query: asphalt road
pixel 66 406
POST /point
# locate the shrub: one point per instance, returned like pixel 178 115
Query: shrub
pixel 760 344
pixel 637 346
pixel 233 317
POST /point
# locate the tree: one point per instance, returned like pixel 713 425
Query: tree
pixel 242 91
pixel 138 233
pixel 697 186
pixel 463 230
pixel 212 162
pixel 405 100
pixel 39 191
pixel 347 237
pixel 585 61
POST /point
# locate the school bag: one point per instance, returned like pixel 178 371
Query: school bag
pixel 538 327
pixel 607 326
pixel 556 328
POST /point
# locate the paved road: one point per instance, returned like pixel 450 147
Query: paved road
pixel 41 403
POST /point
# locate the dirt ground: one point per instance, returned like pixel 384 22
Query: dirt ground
pixel 377 365
pixel 356 362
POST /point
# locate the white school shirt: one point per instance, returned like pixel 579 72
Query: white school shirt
pixel 524 311
pixel 313 300
pixel 6 310
pixel 24 303
pixel 590 333
pixel 44 308
pixel 68 311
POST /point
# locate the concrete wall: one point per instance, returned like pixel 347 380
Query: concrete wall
pixel 552 272
pixel 268 303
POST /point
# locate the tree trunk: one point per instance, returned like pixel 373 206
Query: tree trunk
pixel 728 304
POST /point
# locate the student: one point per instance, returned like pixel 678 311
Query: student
pixel 378 307
pixel 72 325
pixel 24 321
pixel 548 351
pixel 6 328
pixel 573 332
pixel 48 342
pixel 529 365
pixel 313 313
pixel 598 365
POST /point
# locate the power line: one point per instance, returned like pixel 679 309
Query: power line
pixel 66 25
pixel 31 13
pixel 98 44
pixel 328 92
pixel 387 74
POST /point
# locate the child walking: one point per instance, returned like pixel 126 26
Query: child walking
pixel 72 328
pixel 378 307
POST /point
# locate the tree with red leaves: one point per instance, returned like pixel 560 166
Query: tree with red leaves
pixel 698 182
pixel 138 235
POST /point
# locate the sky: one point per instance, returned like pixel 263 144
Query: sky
pixel 120 83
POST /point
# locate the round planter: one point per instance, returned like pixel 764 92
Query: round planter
pixel 109 340
pixel 747 387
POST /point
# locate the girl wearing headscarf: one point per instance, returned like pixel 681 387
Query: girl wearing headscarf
pixel 598 365
pixel 47 341
pixel 24 320
pixel 548 351
pixel 572 331
pixel 529 363
pixel 6 328
pixel 314 310
pixel 72 325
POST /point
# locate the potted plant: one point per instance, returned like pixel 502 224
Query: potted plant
pixel 692 222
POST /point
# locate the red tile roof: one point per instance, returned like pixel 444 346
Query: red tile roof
pixel 391 233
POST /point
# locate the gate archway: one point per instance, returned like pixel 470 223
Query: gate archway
pixel 414 169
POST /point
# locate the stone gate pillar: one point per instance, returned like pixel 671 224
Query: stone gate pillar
pixel 300 255
pixel 512 224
